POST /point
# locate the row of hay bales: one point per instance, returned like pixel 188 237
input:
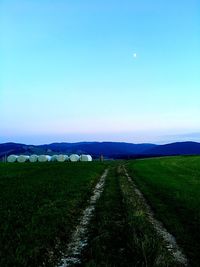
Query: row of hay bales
pixel 46 158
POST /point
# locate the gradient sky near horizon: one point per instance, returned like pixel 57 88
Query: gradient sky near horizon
pixel 99 70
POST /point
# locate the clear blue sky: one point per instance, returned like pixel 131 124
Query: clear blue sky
pixel 68 70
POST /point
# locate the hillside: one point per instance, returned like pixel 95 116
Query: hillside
pixel 179 148
pixel 94 148
pixel 108 149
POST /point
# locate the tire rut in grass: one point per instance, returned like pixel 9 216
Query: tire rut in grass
pixel 163 244
pixel 79 237
pixel 120 232
pixel 108 231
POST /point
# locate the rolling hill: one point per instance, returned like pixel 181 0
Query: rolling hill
pixel 108 149
pixel 95 148
pixel 178 148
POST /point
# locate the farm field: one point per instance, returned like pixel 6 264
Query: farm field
pixel 40 204
pixel 172 187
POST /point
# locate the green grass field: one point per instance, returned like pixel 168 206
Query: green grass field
pixel 172 187
pixel 39 207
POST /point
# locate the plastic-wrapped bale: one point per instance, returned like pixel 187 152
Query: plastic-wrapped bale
pixel 44 158
pixel 33 158
pixel 85 158
pixel 90 158
pixel 22 158
pixel 12 158
pixel 54 158
pixel 74 157
pixel 62 158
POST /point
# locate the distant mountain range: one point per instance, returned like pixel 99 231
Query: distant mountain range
pixel 108 149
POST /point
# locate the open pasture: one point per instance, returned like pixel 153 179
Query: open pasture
pixel 42 203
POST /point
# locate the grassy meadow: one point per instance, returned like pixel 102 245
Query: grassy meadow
pixel 171 185
pixel 40 204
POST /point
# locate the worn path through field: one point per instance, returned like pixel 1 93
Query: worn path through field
pixel 121 233
pixel 108 244
pixel 118 228
pixel 80 235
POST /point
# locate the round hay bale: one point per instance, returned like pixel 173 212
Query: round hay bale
pixel 44 158
pixel 90 158
pixel 22 158
pixel 85 158
pixel 33 158
pixel 62 158
pixel 12 158
pixel 74 157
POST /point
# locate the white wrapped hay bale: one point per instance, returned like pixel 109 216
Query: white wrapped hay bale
pixel 62 158
pixel 89 158
pixel 33 158
pixel 44 158
pixel 74 157
pixel 22 158
pixel 54 158
pixel 12 158
pixel 85 158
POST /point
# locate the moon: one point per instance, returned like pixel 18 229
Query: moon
pixel 134 55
